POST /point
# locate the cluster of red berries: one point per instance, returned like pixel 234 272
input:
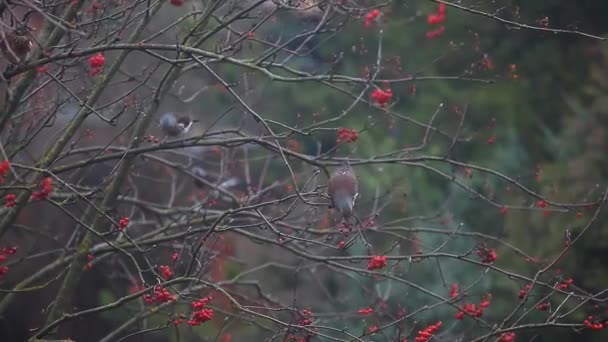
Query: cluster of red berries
pixel 177 2
pixel 151 139
pixel 201 314
pixel 436 19
pixel 377 262
pixel 370 17
pixel 201 303
pixel 523 293
pixel 96 62
pixel 594 325
pixel 507 337
pixel 381 97
pixel 306 318
pixel 543 204
pixel 372 329
pixel 4 168
pixel 435 33
pixel 564 285
pixel 543 306
pixel 166 271
pixel 46 188
pixel 6 251
pixel 181 319
pixel 487 255
pixel 161 295
pixel 347 135
pixel 9 200
pixel 428 332
pixel 123 223
pixel 9 250
pixel 89 264
pixel 454 290
pixel 472 309
pixel 365 312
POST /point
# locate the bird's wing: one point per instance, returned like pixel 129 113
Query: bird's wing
pixel 345 181
pixel 183 120
pixel 168 118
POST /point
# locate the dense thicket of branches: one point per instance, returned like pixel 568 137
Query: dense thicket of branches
pixel 478 154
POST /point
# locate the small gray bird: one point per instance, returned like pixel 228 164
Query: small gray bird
pixel 343 189
pixel 174 126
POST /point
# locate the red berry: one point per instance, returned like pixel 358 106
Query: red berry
pixel 377 262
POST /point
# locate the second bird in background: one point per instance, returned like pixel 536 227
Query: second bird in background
pixel 175 126
pixel 16 45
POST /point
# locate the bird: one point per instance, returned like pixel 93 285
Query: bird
pixel 343 190
pixel 16 44
pixel 174 126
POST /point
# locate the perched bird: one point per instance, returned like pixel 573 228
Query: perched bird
pixel 343 189
pixel 16 45
pixel 174 126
